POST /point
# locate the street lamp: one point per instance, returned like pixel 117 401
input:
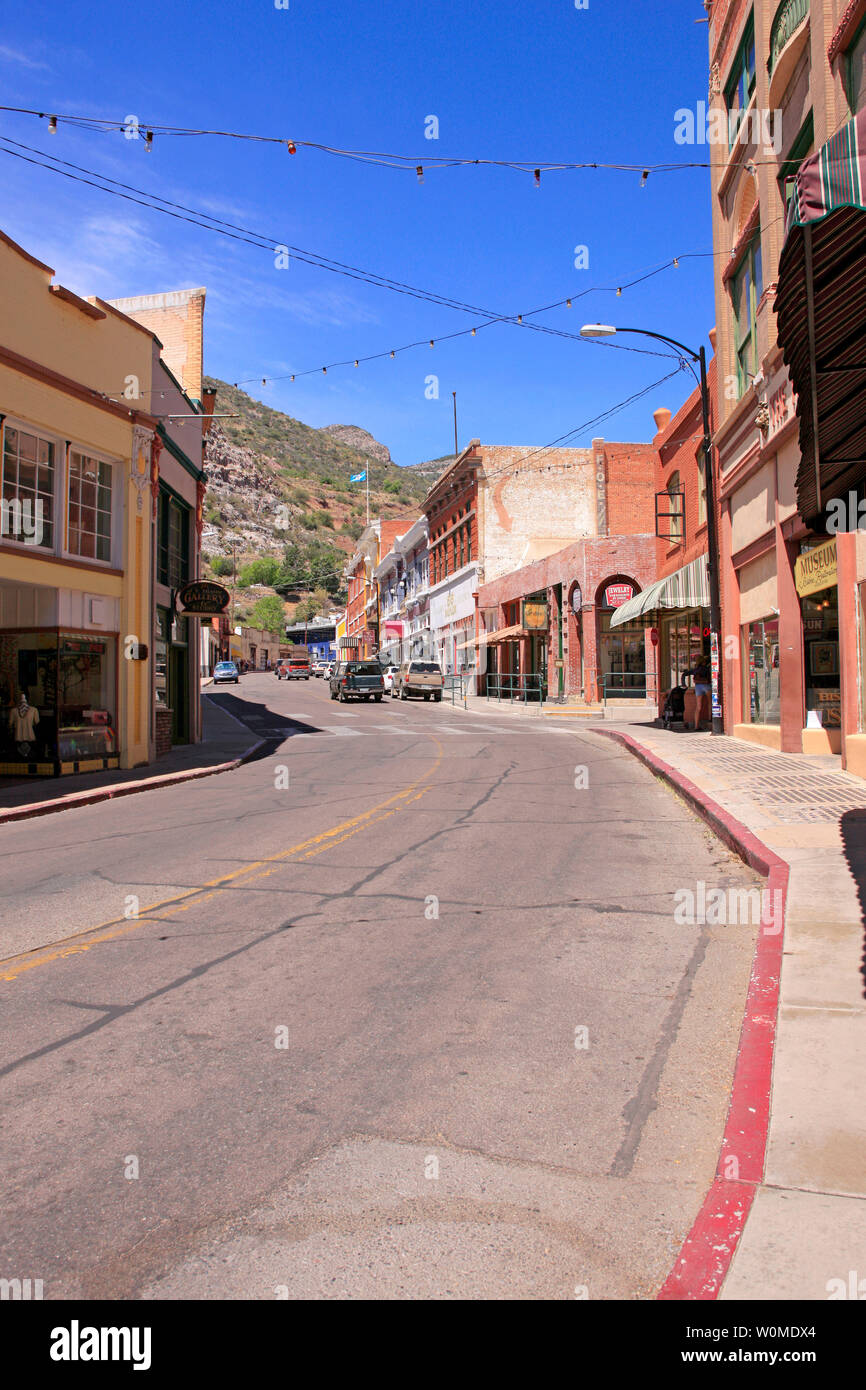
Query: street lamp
pixel 606 330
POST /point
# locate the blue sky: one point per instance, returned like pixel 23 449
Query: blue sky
pixel 522 80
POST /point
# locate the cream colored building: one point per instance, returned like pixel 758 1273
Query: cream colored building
pixel 75 548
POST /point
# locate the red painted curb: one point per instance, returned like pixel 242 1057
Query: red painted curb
pixel 707 1251
pixel 146 784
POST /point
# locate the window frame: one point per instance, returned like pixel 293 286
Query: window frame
pixel 58 469
pixel 801 148
pixel 847 61
pixel 737 73
pixel 751 261
pixel 114 518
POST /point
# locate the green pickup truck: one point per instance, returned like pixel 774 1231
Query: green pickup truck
pixel 357 680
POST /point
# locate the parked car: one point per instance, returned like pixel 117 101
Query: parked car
pixel 298 668
pixel 357 680
pixel 318 668
pixel 419 678
pixel 225 672
pixel 388 674
pixel 279 672
pixel 328 670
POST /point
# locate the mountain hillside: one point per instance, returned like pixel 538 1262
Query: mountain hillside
pixel 274 480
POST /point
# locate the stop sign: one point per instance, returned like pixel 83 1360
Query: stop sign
pixel 654 636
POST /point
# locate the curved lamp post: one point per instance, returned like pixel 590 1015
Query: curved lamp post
pixel 605 330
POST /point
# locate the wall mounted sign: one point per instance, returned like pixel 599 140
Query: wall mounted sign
pixel 615 595
pixel 576 600
pixel 816 569
pixel 201 596
pixel 536 615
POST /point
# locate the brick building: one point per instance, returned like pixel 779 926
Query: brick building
pixel 566 537
pixel 451 509
pixel 785 79
pixel 362 637
pixel 678 603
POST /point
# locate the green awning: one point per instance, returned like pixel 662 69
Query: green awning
pixel 687 588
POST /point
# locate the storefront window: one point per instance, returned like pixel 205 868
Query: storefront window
pixel 683 645
pixel 761 671
pixel 58 694
pixel 821 642
pixel 622 664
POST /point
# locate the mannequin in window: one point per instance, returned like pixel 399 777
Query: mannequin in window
pixel 22 721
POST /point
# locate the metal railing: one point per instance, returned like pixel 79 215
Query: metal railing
pixel 527 688
pixel 626 685
pixel 456 686
pixel 789 17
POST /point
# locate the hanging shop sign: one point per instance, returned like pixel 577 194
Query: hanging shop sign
pixel 816 569
pixel 536 615
pixel 615 595
pixel 202 596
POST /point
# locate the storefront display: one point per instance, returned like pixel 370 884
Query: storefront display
pixel 821 651
pixel 58 692
pixel 763 697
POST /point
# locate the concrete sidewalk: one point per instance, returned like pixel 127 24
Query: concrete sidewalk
pixel 224 744
pixel 805 1233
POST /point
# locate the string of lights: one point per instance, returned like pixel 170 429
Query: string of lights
pixel 154 202
pixel 134 127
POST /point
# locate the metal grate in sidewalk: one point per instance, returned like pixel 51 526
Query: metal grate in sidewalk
pixel 794 793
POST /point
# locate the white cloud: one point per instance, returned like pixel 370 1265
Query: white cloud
pixel 14 55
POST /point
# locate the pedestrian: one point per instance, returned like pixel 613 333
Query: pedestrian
pixel 700 673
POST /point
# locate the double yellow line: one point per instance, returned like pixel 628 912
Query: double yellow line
pixel 13 966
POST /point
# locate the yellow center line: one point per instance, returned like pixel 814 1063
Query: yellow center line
pixel 307 849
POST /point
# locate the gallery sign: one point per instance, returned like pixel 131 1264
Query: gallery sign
pixel 202 596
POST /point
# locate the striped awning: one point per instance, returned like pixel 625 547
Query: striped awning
pixel 821 310
pixel 688 588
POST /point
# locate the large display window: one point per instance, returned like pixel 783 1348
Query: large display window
pixel 761 671
pixel 821 659
pixel 58 701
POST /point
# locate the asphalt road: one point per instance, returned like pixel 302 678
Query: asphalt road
pixel 404 1013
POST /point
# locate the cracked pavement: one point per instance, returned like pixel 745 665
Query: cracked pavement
pixel 340 1042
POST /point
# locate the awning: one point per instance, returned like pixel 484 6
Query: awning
pixel 504 634
pixel 821 310
pixel 689 587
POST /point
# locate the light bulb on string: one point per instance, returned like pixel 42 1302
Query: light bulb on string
pixel 52 124
pixel 419 170
pixel 292 147
pixel 148 141
pixel 537 177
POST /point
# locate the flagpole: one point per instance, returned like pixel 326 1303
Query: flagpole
pixel 367 476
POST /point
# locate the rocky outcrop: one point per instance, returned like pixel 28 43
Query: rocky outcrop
pixel 246 488
pixel 358 438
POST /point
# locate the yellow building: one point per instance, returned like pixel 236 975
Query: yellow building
pixel 76 536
